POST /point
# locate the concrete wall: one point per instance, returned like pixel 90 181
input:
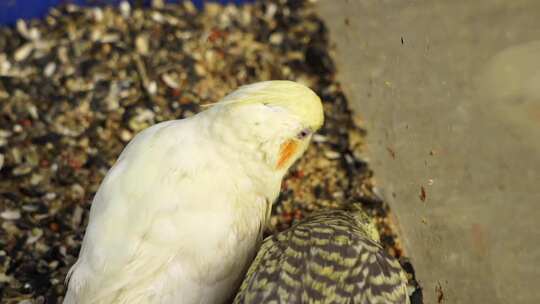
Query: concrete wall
pixel 453 89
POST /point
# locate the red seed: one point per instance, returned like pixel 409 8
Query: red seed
pixel 287 217
pixel 74 163
pixel 54 226
pixel 26 123
pixel 176 92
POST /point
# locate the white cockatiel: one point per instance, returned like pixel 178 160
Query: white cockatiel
pixel 179 216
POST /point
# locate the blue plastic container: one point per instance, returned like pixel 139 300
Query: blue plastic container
pixel 12 10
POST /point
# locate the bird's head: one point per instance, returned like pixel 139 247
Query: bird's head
pixel 274 119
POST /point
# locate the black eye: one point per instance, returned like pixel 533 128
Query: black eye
pixel 304 133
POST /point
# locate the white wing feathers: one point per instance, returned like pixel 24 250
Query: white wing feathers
pixel 114 241
pixel 134 249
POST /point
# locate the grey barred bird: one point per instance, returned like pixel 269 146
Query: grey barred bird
pixel 333 256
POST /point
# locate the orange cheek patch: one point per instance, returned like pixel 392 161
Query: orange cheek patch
pixel 287 150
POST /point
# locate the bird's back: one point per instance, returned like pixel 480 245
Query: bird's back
pixel 144 242
pixel 327 258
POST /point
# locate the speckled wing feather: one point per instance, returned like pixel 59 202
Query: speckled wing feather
pixel 327 258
